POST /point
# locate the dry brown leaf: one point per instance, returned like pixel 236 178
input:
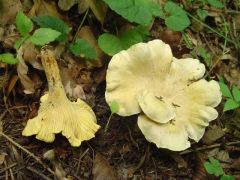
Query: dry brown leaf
pixel 65 5
pixel 8 11
pixel 82 6
pixel 1 126
pixel 179 159
pixel 22 70
pixel 30 55
pixel 213 134
pixel 2 158
pixel 236 164
pixel 11 84
pixel 59 171
pixel 98 8
pixel 102 169
pixel 87 34
pixel 73 90
pixel 10 36
pixel 46 8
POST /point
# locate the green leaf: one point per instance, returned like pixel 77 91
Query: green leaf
pixel 227 177
pixel 44 36
pixel 225 90
pixel 8 58
pixel 213 167
pixel 53 23
pixel 23 23
pixel 230 104
pixel 216 3
pixel 129 38
pixel 83 49
pixel 206 56
pixel 236 93
pixel 139 11
pixel 202 14
pixel 114 107
pixel 110 44
pixel 20 41
pixel 177 19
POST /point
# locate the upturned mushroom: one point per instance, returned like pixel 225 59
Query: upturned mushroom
pixel 174 101
pixel 75 120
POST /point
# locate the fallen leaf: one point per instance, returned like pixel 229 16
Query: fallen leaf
pixel 46 8
pixel 65 5
pixel 236 164
pixel 11 84
pixel 99 9
pixel 10 36
pixel 82 6
pixel 30 55
pixel 73 90
pixel 59 171
pixel 1 126
pixel 179 159
pixel 213 134
pixel 102 169
pixel 2 158
pixel 22 70
pixel 8 11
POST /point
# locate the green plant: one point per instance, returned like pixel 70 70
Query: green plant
pixel 233 96
pixel 206 56
pixel 112 44
pixel 176 18
pixel 138 11
pixel 213 166
pixel 40 36
pixel 83 49
pixel 114 107
pixel 8 58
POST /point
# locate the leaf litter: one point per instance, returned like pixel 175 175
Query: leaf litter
pixel 123 147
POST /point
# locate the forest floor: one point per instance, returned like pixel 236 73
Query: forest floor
pixel 122 152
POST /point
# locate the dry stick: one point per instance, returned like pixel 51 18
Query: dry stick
pixel 38 173
pixel 208 147
pixel 213 30
pixel 27 151
pixel 80 26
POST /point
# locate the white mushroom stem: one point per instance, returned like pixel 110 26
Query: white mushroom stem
pixel 52 73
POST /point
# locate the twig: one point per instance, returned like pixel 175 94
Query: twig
pixel 80 26
pixel 27 151
pixel 213 30
pixel 208 147
pixel 79 160
pixel 38 173
pixel 6 168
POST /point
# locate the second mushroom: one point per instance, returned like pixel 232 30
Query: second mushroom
pixel 174 101
pixel 75 120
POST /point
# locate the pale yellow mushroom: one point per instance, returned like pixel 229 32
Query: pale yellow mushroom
pixel 75 120
pixel 174 101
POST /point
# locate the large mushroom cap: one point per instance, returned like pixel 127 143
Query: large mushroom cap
pixel 177 104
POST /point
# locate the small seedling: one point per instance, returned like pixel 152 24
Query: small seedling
pixel 40 36
pixel 206 56
pixel 213 166
pixel 8 58
pixel 233 97
pixel 114 107
pixel 83 49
